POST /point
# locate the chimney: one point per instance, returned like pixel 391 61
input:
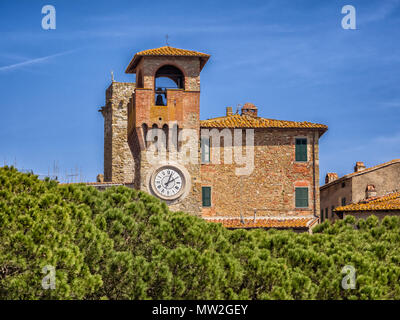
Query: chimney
pixel 370 191
pixel 229 111
pixel 249 109
pixel 100 178
pixel 331 176
pixel 359 166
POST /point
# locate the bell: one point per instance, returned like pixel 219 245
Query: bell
pixel 159 100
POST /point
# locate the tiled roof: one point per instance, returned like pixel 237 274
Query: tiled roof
pixel 171 51
pixel 247 121
pixel 279 223
pixel 96 183
pixel 387 202
pixel 166 51
pixel 350 175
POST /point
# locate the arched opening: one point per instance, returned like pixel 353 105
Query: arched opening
pixel 167 77
pixel 145 130
pixel 166 132
pixel 139 79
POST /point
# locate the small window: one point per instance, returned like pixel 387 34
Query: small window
pixel 301 149
pixel 205 150
pixel 206 196
pixel 343 184
pixel 343 201
pixel 322 215
pixel 332 213
pixel 301 197
pixel 326 213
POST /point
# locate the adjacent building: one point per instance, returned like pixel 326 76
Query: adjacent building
pixel 359 187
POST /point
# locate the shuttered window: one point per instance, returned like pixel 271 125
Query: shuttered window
pixel 205 150
pixel 301 149
pixel 206 196
pixel 301 197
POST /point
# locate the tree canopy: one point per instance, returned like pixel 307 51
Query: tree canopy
pixel 125 244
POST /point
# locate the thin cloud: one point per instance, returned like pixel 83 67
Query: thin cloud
pixel 384 10
pixel 33 61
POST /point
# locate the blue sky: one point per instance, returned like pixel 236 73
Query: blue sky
pixel 290 58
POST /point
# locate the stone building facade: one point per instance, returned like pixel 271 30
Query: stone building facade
pixel 242 170
pixel 361 185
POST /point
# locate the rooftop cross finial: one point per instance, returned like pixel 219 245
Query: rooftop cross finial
pixel 166 39
pixel 112 76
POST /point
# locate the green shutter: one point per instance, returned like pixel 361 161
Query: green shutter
pixel 205 150
pixel 301 149
pixel 206 196
pixel 301 197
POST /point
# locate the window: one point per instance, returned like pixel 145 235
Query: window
pixel 322 215
pixel 326 213
pixel 301 197
pixel 205 149
pixel 206 196
pixel 301 149
pixel 343 201
pixel 343 184
pixel 332 213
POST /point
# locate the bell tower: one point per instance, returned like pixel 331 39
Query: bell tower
pixel 166 97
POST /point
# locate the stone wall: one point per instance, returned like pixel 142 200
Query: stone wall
pixel 385 180
pixel 118 159
pixel 332 196
pixel 270 188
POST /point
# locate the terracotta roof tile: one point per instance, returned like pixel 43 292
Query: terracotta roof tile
pixel 387 202
pixel 171 51
pixel 246 121
pixel 249 223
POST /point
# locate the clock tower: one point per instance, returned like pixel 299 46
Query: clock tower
pixel 166 104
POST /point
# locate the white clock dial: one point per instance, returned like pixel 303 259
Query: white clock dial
pixel 168 182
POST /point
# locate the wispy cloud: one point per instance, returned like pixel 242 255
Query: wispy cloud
pixel 391 104
pixel 385 9
pixel 33 61
pixel 389 139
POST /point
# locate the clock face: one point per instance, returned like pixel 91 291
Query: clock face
pixel 168 182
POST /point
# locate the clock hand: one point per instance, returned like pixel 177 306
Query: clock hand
pixel 169 179
pixel 169 182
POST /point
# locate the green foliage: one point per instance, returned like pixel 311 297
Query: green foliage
pixel 125 244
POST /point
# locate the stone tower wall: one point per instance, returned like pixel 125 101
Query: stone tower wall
pixel 118 160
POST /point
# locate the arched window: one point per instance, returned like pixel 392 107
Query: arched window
pixel 166 132
pixel 139 79
pixel 167 77
pixel 145 130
